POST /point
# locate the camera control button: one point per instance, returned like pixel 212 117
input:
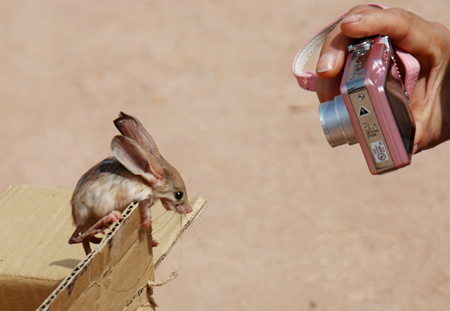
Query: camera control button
pixel 360 48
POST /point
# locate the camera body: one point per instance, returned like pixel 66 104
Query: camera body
pixel 373 108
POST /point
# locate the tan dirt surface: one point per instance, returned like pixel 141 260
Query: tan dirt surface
pixel 292 224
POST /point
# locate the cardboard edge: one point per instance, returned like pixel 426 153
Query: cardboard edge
pixel 203 205
pixel 150 304
pixel 143 302
pixel 144 290
pixel 69 281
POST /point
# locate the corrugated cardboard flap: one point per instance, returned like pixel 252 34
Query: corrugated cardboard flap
pixel 36 261
pixel 110 276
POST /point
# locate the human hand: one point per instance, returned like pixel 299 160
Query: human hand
pixel 428 42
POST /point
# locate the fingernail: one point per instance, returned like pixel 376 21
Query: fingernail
pixel 325 63
pixel 352 19
pixel 415 148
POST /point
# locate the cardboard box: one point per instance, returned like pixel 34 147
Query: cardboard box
pixel 39 269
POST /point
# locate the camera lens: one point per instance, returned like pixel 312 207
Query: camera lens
pixel 336 123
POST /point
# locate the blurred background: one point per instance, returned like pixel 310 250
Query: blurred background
pixel 291 224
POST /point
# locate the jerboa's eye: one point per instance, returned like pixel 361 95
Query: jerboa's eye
pixel 178 195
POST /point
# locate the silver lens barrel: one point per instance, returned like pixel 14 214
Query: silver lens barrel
pixel 336 123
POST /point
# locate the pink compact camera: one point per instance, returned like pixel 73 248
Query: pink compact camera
pixel 373 108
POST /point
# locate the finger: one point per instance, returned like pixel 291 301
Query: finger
pixel 405 29
pixel 332 57
pixel 328 89
pixel 418 139
pixel 334 50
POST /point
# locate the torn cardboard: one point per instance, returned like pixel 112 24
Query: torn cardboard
pixel 38 269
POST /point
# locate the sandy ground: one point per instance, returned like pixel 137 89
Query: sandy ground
pixel 292 224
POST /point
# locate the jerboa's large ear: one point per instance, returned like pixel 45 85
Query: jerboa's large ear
pixel 131 127
pixel 137 160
